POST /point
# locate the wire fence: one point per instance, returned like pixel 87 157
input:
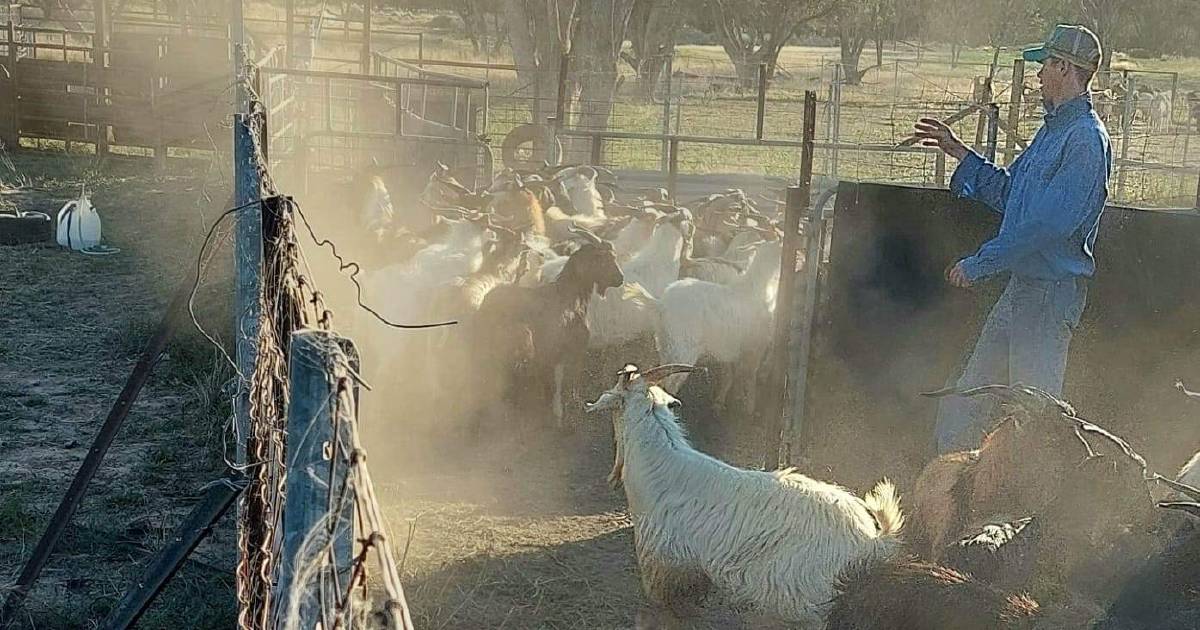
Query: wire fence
pixel 290 303
pixel 1152 122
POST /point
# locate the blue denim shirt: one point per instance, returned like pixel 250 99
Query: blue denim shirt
pixel 1051 197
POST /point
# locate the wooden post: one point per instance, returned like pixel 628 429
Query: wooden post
pixel 993 123
pixel 328 104
pixel 311 493
pixel 420 50
pixel 551 140
pixel 939 169
pixel 597 157
pixel 289 45
pixel 399 109
pixel 835 113
pixel 776 409
pixel 1198 193
pixel 560 104
pixel 366 43
pixel 668 70
pixel 1016 94
pixel 1126 128
pixel 247 265
pixel 100 36
pixel 760 116
pixel 673 167
pixel 1174 95
pixel 12 134
pixel 984 98
pixel 217 499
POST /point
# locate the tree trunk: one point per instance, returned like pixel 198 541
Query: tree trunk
pixel 851 48
pixel 474 20
pixel 746 61
pixel 537 51
pixel 652 26
pixel 596 57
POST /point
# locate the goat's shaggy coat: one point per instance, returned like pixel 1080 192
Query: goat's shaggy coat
pixel 776 540
pixel 528 338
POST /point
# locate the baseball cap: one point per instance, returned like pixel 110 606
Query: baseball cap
pixel 1076 44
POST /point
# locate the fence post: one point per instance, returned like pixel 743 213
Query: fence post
pixel 289 47
pixel 248 263
pixel 1198 193
pixel 597 157
pixel 993 114
pixel 673 167
pixel 1126 128
pixel 316 476
pixel 668 70
pixel 560 102
pixel 761 114
pixel 12 135
pixel 939 169
pixel 1017 93
pixel 788 366
pixel 836 116
pixel 1174 95
pixel 552 155
pixel 366 43
pixel 99 48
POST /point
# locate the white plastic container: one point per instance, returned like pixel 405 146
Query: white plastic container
pixel 78 224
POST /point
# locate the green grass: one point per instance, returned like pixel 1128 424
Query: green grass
pixel 17 520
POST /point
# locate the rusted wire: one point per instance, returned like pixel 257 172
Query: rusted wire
pixel 290 301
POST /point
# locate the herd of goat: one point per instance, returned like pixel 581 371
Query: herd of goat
pixel 545 272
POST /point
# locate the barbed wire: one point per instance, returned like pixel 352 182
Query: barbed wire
pixel 289 301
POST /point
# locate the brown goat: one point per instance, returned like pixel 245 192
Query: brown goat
pixel 1084 486
pixel 910 594
pixel 531 340
pixel 519 209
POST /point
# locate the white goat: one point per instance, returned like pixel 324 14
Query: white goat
pixel 403 290
pixel 775 540
pixel 377 212
pixel 578 183
pixel 634 236
pixel 728 323
pixel 657 264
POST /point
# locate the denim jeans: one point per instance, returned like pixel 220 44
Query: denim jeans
pixel 1025 341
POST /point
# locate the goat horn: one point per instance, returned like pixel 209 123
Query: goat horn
pixel 575 229
pixel 1182 488
pixel 1030 399
pixel 661 372
pixel 1183 506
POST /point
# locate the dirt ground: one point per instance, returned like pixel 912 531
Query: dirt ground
pixel 74 326
pixel 505 534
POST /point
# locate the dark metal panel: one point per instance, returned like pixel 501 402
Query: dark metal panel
pixel 890 328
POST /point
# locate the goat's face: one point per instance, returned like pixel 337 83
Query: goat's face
pixel 518 206
pixel 632 384
pixel 443 190
pixel 597 266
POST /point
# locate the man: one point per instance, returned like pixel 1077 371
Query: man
pixel 1051 198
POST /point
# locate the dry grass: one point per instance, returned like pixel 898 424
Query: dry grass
pixel 75 328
